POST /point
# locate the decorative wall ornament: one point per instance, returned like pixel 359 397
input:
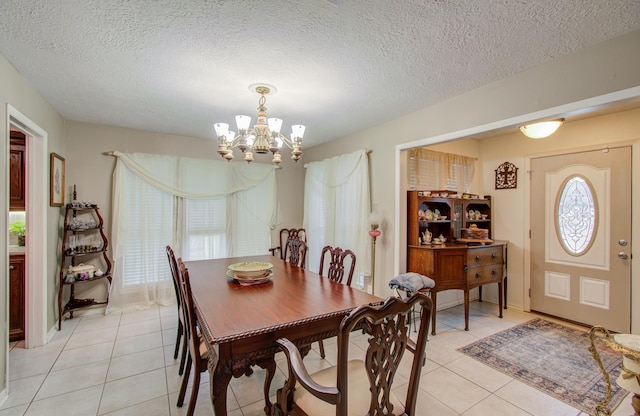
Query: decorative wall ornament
pixel 507 176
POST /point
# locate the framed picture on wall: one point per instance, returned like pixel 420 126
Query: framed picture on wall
pixel 56 191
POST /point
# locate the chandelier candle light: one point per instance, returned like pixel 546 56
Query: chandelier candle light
pixel 262 138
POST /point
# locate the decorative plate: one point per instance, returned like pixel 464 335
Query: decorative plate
pixel 250 280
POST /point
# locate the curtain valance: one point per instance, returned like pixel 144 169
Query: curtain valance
pixel 197 178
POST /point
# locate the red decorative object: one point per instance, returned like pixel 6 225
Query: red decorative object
pixel 375 234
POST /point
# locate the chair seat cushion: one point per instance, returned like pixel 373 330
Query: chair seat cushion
pixel 359 395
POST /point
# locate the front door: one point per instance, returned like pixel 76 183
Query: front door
pixel 581 237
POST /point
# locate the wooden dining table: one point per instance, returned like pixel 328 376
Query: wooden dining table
pixel 240 324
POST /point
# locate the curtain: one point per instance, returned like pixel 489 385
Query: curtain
pixel 431 170
pixel 203 208
pixel 337 206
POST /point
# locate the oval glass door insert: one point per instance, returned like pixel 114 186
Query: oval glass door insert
pixel 576 215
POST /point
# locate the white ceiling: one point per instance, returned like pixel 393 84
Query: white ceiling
pixel 178 66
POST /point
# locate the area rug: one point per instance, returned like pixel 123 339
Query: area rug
pixel 554 359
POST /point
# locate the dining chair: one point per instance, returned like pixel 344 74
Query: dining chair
pixel 295 251
pixel 285 235
pixel 337 257
pixel 198 353
pixel 173 265
pixel 360 387
pixel 335 271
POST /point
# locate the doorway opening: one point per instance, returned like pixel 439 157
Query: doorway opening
pixel 36 273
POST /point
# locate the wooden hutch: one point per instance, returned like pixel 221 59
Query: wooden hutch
pixel 457 263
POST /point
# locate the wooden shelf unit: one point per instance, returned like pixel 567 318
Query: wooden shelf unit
pixel 74 254
pixel 455 209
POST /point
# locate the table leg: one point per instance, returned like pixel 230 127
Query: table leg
pixel 219 378
pixel 270 366
pixel 479 293
pixel 500 296
pixel 505 292
pixel 466 310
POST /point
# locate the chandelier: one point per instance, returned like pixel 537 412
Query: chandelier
pixel 262 138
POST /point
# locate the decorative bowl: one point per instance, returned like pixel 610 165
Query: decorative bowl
pixel 250 269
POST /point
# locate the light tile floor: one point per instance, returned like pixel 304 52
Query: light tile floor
pixel 122 364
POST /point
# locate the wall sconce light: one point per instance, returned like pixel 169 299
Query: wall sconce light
pixel 542 129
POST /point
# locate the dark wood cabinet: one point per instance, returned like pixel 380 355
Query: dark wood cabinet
pixel 84 256
pixel 453 265
pixel 16 297
pixel 17 171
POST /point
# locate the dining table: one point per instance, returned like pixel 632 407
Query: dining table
pixel 240 323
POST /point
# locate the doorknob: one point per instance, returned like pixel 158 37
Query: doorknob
pixel 623 255
pixel 622 242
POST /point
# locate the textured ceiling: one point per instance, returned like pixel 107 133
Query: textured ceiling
pixel 177 66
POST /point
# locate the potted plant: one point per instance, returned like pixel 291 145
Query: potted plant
pixel 19 228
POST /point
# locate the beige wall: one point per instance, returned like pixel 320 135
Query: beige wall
pixel 17 92
pixel 606 68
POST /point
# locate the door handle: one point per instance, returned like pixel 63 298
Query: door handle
pixel 12 267
pixel 623 255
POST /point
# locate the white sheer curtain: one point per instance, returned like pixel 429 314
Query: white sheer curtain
pixel 336 207
pixel 203 208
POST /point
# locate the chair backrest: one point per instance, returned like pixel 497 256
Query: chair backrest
pixel 292 234
pixel 387 326
pixel 295 252
pixel 189 312
pixel 335 271
pixel 173 265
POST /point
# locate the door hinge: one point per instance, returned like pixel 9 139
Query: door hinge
pixel 529 292
pixel 529 234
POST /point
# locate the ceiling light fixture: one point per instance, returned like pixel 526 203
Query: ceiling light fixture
pixel 542 129
pixel 263 137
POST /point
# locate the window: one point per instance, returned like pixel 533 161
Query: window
pixel 150 227
pixel 205 229
pixel 437 170
pixel 161 200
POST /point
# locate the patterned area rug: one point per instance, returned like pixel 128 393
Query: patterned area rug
pixel 554 359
